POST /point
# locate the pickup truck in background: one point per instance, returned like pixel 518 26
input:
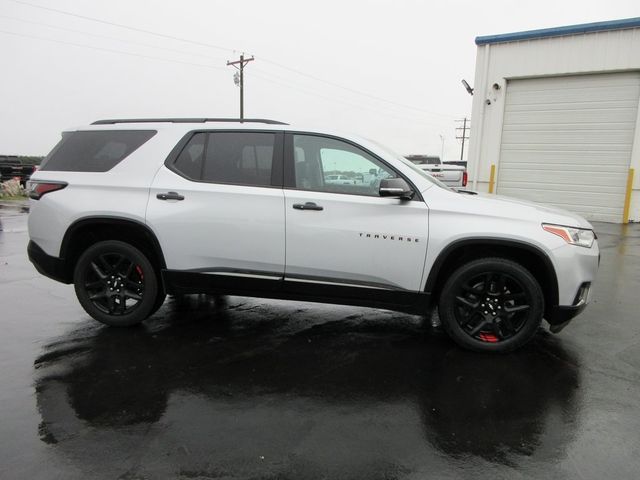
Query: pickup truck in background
pixel 460 163
pixel 12 167
pixel 451 175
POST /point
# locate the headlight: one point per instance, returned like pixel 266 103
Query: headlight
pixel 575 236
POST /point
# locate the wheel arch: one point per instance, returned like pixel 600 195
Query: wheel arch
pixel 89 230
pixel 526 254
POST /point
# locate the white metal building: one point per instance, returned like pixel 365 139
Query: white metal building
pixel 557 112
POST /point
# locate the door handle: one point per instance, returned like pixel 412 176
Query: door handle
pixel 307 206
pixel 170 196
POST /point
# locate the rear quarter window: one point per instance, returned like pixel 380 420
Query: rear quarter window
pixel 94 151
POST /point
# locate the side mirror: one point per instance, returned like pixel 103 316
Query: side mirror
pixel 395 187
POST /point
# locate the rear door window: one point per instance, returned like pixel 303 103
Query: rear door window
pixel 243 158
pixel 94 151
pixel 237 158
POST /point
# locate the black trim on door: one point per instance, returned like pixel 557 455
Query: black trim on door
pixel 236 271
pixel 179 282
pixel 341 281
pixel 289 172
pixel 182 282
pixel 276 166
pixel 289 164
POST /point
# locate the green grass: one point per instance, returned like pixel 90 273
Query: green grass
pixel 13 198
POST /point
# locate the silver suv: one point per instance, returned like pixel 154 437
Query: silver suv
pixel 131 210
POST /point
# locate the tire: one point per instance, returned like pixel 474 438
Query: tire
pixel 116 284
pixel 160 298
pixel 491 305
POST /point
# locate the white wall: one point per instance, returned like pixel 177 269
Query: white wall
pixel 597 52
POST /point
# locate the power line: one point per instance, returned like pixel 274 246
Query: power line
pixel 353 90
pixel 205 44
pixel 182 52
pixel 333 99
pixel 109 50
pixel 127 27
pixel 287 85
pixel 351 104
pixel 390 113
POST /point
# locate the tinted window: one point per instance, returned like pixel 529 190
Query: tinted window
pixel 328 165
pixel 190 160
pixel 96 151
pixel 243 158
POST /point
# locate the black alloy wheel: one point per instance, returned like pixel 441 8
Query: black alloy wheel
pixel 116 284
pixel 491 304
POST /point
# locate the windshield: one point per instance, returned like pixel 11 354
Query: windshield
pixel 410 164
pixel 425 174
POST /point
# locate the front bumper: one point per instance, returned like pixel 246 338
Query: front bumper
pixel 52 267
pixel 575 266
pixel 560 316
pixel 576 269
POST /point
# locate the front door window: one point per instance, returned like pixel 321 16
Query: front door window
pixel 328 165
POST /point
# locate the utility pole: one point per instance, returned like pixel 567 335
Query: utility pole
pixel 464 136
pixel 442 149
pixel 239 65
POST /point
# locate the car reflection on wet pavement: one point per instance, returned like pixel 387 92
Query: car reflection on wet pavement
pixel 245 388
pixel 466 403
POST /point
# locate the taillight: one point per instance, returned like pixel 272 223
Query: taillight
pixel 38 189
pixel 464 178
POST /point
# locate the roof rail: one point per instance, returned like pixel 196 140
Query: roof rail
pixel 186 120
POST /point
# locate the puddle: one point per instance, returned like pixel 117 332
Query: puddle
pixel 13 208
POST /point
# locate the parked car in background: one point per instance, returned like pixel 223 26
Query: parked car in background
pixel 339 179
pixel 12 167
pixel 451 175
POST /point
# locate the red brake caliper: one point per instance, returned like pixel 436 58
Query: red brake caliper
pixel 488 337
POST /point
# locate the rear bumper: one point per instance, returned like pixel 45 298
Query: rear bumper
pixel 52 267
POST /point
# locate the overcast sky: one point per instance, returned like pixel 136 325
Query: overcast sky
pixel 386 69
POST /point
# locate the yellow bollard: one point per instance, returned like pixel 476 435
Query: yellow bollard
pixel 627 197
pixel 492 177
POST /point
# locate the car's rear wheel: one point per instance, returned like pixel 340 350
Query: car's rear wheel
pixel 116 283
pixel 491 304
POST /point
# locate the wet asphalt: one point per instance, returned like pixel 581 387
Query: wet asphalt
pixel 246 388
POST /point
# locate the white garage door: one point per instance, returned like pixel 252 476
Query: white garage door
pixel 566 141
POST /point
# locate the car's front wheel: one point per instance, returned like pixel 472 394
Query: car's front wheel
pixel 116 283
pixel 491 304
